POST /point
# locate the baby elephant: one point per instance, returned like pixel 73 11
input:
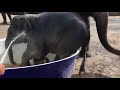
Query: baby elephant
pixel 61 33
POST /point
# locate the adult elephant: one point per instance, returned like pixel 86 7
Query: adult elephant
pixel 101 19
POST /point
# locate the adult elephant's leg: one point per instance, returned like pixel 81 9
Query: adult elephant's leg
pixel 9 15
pixel 4 18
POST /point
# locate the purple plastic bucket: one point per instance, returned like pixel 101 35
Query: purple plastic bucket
pixel 58 69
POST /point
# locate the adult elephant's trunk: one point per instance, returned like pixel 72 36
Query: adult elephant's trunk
pixel 101 19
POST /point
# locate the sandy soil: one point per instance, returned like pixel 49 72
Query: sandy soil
pixel 102 64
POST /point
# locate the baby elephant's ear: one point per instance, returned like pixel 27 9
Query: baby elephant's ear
pixel 25 25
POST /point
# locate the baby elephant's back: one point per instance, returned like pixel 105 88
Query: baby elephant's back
pixel 59 24
pixel 66 31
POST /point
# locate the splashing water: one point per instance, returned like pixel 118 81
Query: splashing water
pixel 5 53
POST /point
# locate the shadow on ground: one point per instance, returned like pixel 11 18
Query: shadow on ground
pixel 89 75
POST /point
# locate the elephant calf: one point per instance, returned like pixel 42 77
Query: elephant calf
pixel 61 33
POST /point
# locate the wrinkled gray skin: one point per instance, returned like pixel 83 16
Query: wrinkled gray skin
pixel 61 33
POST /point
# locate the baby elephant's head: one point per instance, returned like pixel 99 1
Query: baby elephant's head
pixel 19 25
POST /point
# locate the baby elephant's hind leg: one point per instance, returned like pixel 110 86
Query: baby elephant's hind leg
pixel 82 68
pixel 81 54
pixel 84 51
pixel 88 54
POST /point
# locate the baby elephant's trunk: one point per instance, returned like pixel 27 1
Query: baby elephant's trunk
pixel 10 52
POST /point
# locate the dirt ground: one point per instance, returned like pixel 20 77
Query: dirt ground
pixel 102 64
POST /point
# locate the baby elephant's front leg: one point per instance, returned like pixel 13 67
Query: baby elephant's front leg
pixel 25 58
